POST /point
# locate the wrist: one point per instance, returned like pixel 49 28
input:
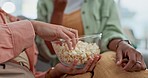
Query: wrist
pixel 122 42
pixel 54 73
pixel 35 26
pixel 115 43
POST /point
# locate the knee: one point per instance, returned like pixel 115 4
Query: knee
pixel 107 68
pixel 108 60
pixel 85 75
pixel 105 65
pixel 108 57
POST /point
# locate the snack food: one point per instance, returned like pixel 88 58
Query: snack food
pixel 82 52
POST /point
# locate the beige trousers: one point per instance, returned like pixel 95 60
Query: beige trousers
pixel 11 70
pixel 107 68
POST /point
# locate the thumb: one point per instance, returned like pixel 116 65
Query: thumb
pixel 119 57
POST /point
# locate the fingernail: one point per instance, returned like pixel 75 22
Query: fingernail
pixel 72 48
pixel 91 58
pixel 98 55
pixel 118 62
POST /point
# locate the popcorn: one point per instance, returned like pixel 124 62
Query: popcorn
pixel 82 52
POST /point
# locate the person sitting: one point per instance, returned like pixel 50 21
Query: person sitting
pixel 91 17
pixel 18 51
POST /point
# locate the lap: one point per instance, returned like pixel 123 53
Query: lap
pixel 85 75
pixel 107 68
pixel 11 70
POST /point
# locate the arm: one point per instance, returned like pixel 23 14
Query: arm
pixel 14 39
pixel 112 27
pixel 123 49
pixel 56 16
pixel 58 11
pixel 51 32
pixel 51 11
pixel 17 36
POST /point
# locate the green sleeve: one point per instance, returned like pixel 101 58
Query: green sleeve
pixel 112 27
pixel 42 11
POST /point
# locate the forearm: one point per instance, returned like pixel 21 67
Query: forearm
pixel 116 43
pixel 46 31
pixel 35 26
pixel 57 17
pixel 113 44
pixel 39 27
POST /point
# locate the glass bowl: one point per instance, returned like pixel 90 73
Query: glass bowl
pixel 87 46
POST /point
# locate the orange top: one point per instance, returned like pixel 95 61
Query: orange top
pixel 74 20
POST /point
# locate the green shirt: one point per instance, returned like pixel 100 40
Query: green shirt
pixel 98 16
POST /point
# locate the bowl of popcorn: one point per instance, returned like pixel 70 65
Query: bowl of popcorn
pixel 86 47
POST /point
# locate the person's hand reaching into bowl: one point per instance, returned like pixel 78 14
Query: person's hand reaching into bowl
pixel 51 32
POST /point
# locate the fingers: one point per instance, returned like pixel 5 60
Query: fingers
pixel 91 63
pixel 74 64
pixel 140 65
pixel 131 62
pixel 70 35
pixel 87 66
pixel 135 63
pixel 140 60
pixel 134 60
pixel 119 57
pixel 143 64
pixel 73 35
pixel 96 59
pixel 72 67
pixel 67 39
pixel 124 62
pixel 75 32
pixel 137 66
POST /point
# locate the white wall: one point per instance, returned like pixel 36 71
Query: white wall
pixel 139 23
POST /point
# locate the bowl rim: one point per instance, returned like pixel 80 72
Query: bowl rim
pixel 81 37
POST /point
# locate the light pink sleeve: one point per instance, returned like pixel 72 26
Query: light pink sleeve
pixel 14 38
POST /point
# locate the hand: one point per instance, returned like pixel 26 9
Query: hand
pixel 59 5
pixel 12 18
pixel 129 58
pixel 7 17
pixel 61 69
pixel 51 32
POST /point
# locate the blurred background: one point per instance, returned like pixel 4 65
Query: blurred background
pixel 133 13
